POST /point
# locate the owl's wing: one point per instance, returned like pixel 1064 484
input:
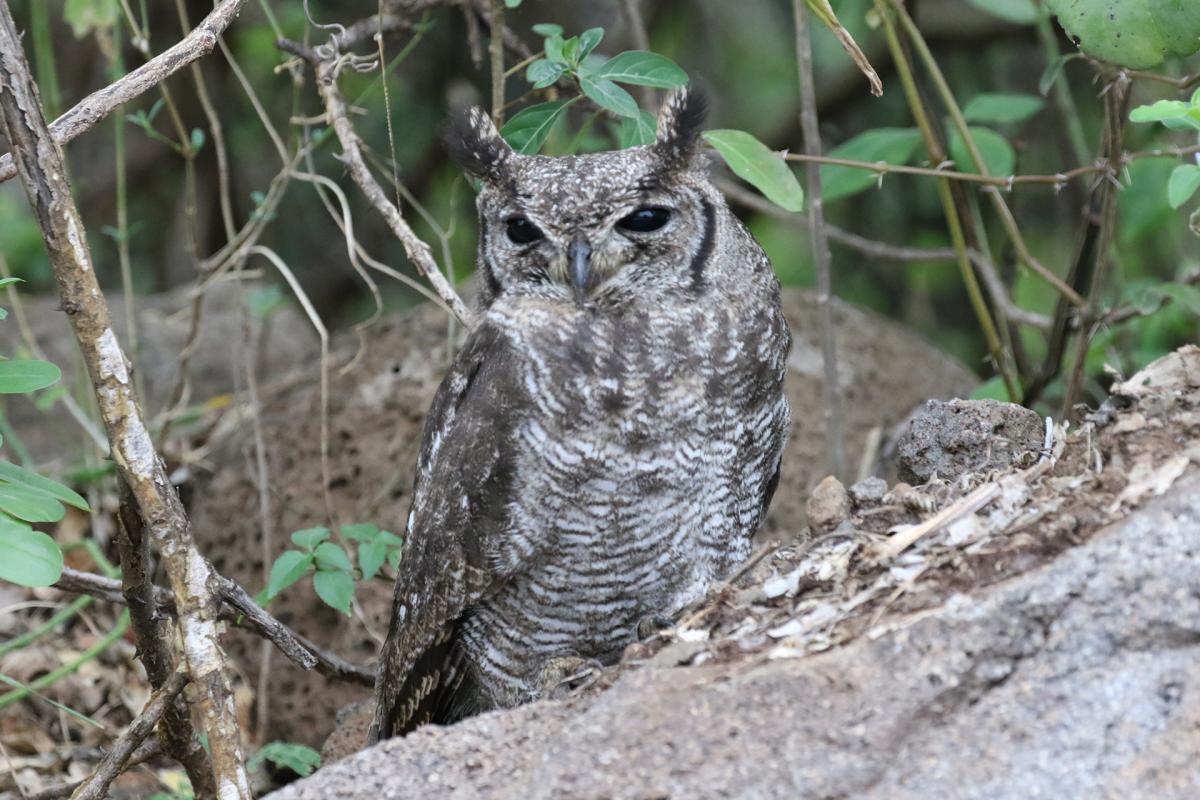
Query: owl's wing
pixel 460 501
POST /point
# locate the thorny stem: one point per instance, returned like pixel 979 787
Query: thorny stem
pixel 953 221
pixel 1115 105
pixel 834 440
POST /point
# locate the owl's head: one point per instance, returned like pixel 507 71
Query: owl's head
pixel 593 230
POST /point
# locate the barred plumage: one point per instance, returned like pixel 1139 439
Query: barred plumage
pixel 608 439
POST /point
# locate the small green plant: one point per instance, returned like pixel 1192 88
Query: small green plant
pixel 1178 115
pixel 599 79
pixel 332 572
pixel 298 758
pixel 29 557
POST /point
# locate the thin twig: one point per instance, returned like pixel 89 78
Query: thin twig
pixel 960 122
pixel 150 750
pixel 810 127
pixel 98 105
pixel 496 56
pixel 1116 102
pixel 632 15
pixel 954 223
pixel 323 662
pixel 417 251
pixel 95 786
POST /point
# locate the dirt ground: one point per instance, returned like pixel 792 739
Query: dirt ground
pixel 957 639
pixel 997 507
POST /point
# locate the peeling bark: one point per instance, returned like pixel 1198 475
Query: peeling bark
pixel 43 175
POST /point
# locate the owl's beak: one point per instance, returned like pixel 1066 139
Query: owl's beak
pixel 579 266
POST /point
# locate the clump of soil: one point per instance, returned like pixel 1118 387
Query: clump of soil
pixel 957 436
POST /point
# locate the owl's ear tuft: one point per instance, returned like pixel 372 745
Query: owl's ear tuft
pixel 680 122
pixel 473 142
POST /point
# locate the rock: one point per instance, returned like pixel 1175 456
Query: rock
pixel 951 438
pixel 377 408
pixel 1075 680
pixel 350 735
pixel 868 491
pixel 828 505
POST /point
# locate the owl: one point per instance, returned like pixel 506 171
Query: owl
pixel 609 437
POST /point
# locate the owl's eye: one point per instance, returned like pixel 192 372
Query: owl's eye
pixel 646 219
pixel 521 231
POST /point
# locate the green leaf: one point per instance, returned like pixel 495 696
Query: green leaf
pixel 1022 12
pixel 637 130
pixel 361 532
pixel 543 73
pixel 85 16
pixel 588 41
pixel 335 588
pixel 19 475
pixel 553 47
pixel 266 301
pixel 291 566
pixel 754 162
pixel 1183 183
pixel 371 556
pixel 570 50
pixel 1000 108
pixel 548 29
pixel 1174 114
pixel 1184 294
pixel 991 389
pixel 29 504
pixel 24 376
pixel 643 69
pixel 27 557
pixel 607 94
pixel 310 537
pixel 527 130
pixel 890 145
pixel 9 281
pixel 300 759
pixel 1138 34
pixel 997 153
pixel 510 4
pixel 332 557
pixel 1053 70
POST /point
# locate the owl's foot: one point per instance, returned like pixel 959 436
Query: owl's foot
pixel 652 624
pixel 564 673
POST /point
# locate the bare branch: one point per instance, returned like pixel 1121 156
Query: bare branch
pixel 418 251
pixel 834 442
pixel 44 177
pixel 98 105
pixel 152 634
pixel 95 786
pixel 236 603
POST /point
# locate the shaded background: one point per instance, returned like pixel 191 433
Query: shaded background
pixel 742 52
